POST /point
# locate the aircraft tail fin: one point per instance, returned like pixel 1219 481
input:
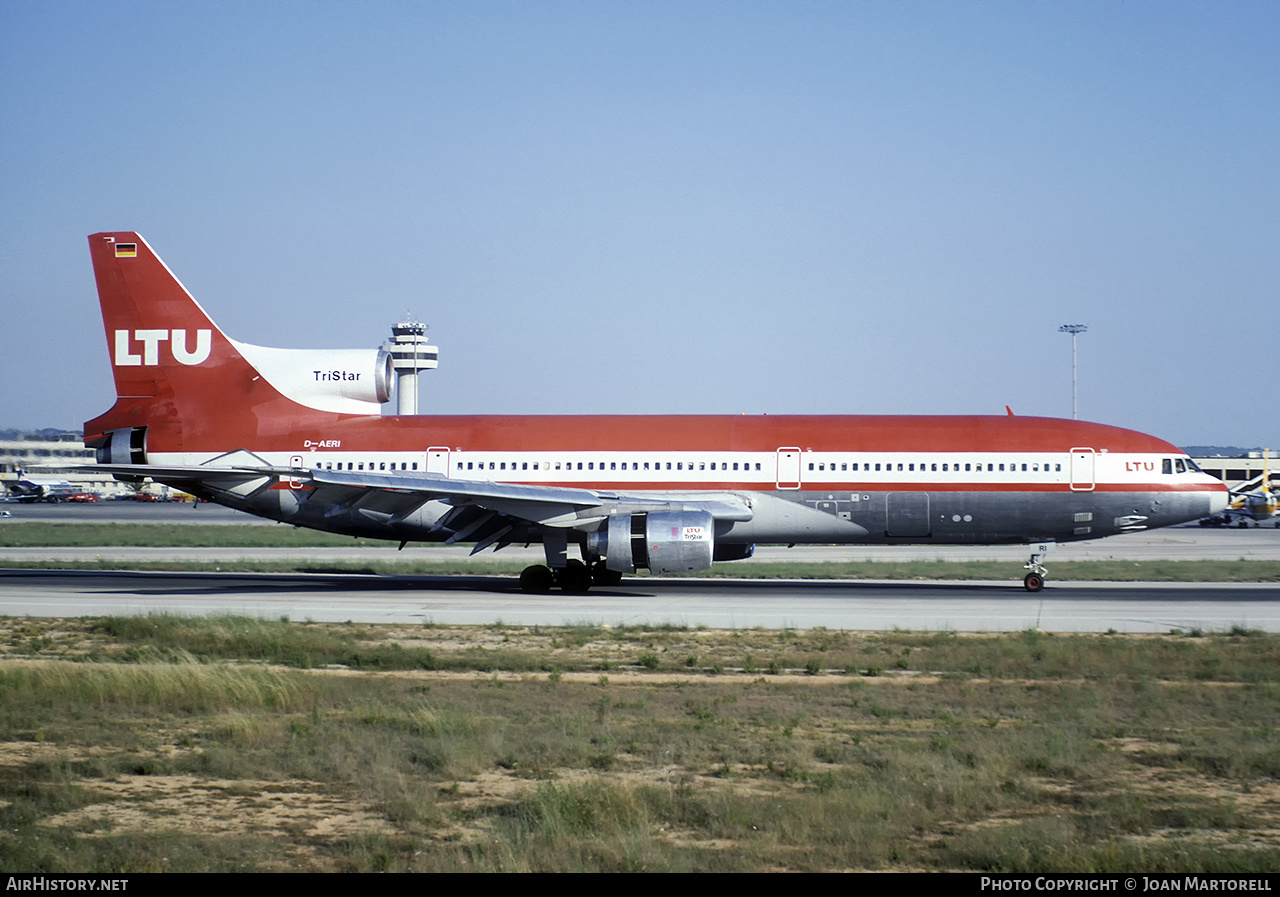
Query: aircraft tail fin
pixel 179 378
pixel 175 371
pixel 156 331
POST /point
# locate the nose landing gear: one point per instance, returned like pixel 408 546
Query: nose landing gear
pixel 1034 580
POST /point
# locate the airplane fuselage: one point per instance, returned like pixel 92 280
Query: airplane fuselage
pixel 841 479
pixel 295 435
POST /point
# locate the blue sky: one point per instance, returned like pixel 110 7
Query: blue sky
pixel 856 207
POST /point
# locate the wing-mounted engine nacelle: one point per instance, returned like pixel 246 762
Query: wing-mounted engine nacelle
pixel 345 380
pixel 663 541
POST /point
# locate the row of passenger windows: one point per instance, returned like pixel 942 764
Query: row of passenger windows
pixel 844 466
pixel 558 465
pixel 933 467
pixel 378 465
pixel 1168 465
pixel 612 465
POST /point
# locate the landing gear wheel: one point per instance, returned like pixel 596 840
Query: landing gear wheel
pixel 1033 582
pixel 603 576
pixel 575 579
pixel 537 579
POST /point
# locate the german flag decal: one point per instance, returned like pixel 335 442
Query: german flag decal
pixel 126 250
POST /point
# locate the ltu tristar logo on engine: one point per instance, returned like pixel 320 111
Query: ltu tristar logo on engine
pixel 150 340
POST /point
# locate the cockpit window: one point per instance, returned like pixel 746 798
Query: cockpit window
pixel 1179 466
pixel 1166 465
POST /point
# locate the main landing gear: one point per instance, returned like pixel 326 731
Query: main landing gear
pixel 573 576
pixel 1034 580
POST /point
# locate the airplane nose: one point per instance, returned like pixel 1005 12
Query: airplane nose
pixel 1218 501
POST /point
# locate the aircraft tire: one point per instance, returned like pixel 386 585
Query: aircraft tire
pixel 536 579
pixel 603 576
pixel 575 579
pixel 1033 582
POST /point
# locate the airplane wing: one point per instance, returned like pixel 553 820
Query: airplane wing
pixel 483 511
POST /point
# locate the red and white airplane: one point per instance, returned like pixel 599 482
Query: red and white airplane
pixel 298 436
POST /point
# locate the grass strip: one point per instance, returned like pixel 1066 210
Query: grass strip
pixel 160 535
pixel 175 744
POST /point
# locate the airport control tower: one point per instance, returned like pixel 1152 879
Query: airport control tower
pixel 410 354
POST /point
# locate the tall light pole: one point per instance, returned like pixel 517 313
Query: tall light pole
pixel 1074 330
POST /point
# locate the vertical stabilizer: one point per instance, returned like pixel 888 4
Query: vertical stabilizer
pixel 154 328
pixel 182 385
pixel 175 372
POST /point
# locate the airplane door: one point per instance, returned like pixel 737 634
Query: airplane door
pixel 1082 472
pixel 295 462
pixel 907 514
pixel 788 468
pixel 438 460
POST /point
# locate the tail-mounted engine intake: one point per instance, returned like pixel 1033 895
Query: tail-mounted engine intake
pixel 662 541
pixel 345 380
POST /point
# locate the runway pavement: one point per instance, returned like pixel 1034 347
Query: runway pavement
pixel 968 606
pixel 934 606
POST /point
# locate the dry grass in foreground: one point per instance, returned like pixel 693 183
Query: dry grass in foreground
pixel 165 743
